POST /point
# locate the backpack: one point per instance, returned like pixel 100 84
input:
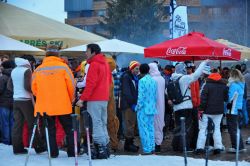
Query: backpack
pixel 174 92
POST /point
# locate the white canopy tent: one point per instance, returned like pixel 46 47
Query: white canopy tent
pixel 109 46
pixel 245 51
pixel 8 45
pixel 39 31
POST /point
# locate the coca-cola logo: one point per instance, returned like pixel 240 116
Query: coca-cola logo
pixel 227 52
pixel 177 51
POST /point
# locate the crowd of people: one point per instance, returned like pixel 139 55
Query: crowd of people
pixel 121 104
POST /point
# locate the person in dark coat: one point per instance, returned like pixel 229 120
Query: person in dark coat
pixel 6 102
pixel 213 96
pixel 129 96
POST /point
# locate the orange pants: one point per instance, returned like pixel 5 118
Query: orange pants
pixel 113 127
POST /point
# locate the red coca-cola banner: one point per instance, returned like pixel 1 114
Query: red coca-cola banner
pixel 193 46
pixel 176 51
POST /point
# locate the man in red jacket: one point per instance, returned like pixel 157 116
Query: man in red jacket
pixel 96 93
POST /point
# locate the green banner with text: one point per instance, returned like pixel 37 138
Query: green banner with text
pixel 42 43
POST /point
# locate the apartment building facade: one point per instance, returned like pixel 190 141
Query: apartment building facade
pixel 228 19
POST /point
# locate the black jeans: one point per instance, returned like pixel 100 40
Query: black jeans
pixel 66 123
pixel 232 129
pixel 168 118
pixel 194 129
pixel 177 140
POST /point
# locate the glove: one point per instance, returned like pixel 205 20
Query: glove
pixel 133 107
pixel 229 106
pixel 207 70
pixel 200 115
pixel 79 103
pixel 170 103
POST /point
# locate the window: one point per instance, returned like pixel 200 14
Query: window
pixel 221 3
pixel 78 26
pixel 194 10
pixel 101 12
pixel 86 13
pixel 78 5
pixel 213 11
pixel 88 28
pixel 73 14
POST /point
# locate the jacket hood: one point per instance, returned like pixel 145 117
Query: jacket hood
pixel 215 76
pixel 181 69
pixel 22 62
pixel 111 62
pixel 99 58
pixel 175 76
pixel 154 71
pixel 7 72
pixel 52 58
pixel 221 81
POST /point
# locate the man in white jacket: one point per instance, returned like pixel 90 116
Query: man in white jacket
pixel 184 109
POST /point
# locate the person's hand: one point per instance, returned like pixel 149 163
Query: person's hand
pixel 207 60
pixel 200 114
pixel 229 106
pixel 207 69
pixel 170 102
pixel 79 79
pixel 79 103
pixel 79 95
pixel 133 107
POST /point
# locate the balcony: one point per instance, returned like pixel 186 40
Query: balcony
pixel 83 21
pixel 184 2
pixel 99 5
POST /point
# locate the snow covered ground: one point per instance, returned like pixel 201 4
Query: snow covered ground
pixel 8 159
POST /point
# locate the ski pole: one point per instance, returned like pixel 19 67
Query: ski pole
pixel 47 136
pixel 209 132
pixel 32 137
pixel 237 141
pixel 38 122
pixel 77 111
pixel 183 131
pixel 74 122
pixel 86 124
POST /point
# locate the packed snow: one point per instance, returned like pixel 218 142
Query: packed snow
pixel 7 158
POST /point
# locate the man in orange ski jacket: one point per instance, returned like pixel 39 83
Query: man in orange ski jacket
pixel 53 85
